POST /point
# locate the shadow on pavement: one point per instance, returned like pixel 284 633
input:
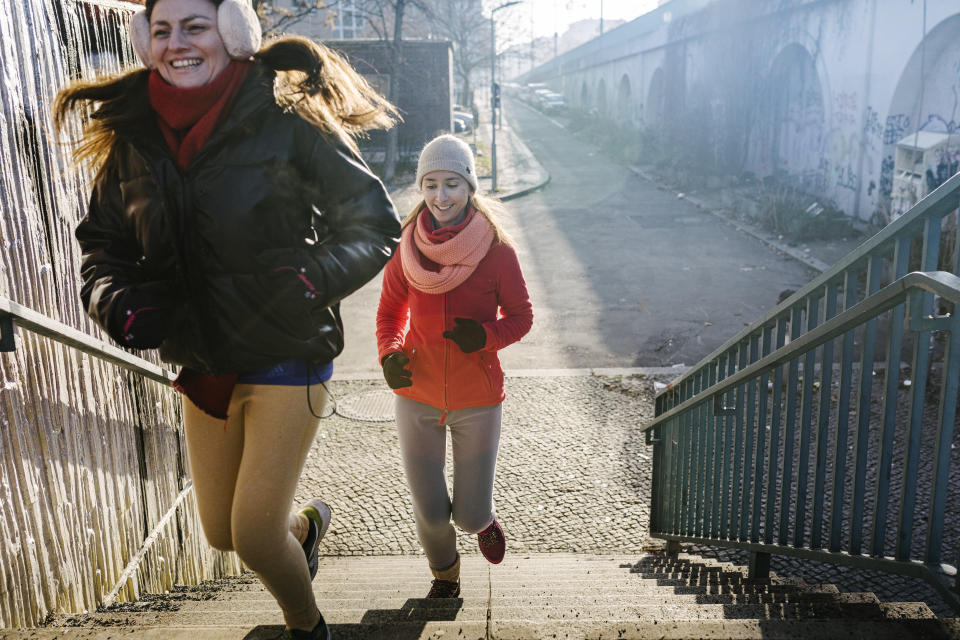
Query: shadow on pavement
pixel 406 623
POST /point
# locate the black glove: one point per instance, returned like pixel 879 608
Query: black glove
pixel 394 372
pixel 468 334
pixel 142 315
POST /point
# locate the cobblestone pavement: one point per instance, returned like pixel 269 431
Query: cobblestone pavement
pixel 572 475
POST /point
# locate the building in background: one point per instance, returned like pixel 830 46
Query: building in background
pixel 361 35
pixel 426 63
pixel 815 96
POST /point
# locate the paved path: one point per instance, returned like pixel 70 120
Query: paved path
pixel 627 274
pixel 621 272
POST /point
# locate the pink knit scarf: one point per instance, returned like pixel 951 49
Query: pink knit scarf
pixel 457 257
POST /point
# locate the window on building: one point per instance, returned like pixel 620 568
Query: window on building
pixel 349 22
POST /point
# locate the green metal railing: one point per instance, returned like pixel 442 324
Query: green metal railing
pixel 807 435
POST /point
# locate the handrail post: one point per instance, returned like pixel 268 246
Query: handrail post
pixel 759 565
pixel 7 332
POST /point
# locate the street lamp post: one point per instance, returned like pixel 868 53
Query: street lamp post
pixel 493 91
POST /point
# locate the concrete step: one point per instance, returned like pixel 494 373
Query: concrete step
pixel 512 589
pixel 477 611
pixel 730 630
pixel 462 610
pixel 525 599
pixel 530 597
pixel 584 629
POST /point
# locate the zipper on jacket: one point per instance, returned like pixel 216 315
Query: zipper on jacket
pixel 444 376
pixel 486 371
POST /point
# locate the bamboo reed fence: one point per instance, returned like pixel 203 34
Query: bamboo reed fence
pixel 95 497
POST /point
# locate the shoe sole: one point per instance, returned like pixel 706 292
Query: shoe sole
pixel 323 516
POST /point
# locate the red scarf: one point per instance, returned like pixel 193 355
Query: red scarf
pixel 187 116
pixel 436 236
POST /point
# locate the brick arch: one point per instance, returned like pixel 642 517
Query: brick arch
pixel 601 101
pixel 790 126
pixel 656 99
pixel 624 109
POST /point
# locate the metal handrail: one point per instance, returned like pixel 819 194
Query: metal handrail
pixel 13 314
pixel 703 495
pixel 749 453
pixel 940 283
pixel 938 203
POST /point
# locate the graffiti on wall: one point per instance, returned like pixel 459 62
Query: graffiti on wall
pixel 937 122
pixel 871 126
pixel 845 108
pixel 886 175
pixel 896 127
pixel 839 175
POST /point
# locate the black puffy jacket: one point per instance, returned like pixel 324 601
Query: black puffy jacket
pixel 249 250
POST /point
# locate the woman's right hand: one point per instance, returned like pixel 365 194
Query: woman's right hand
pixel 394 372
pixel 143 315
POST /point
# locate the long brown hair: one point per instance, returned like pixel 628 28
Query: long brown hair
pixel 312 80
pixel 492 210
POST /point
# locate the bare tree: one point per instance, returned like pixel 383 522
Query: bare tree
pixel 386 18
pixel 276 16
pixel 462 22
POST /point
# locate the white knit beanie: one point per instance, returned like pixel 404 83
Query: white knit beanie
pixel 447 153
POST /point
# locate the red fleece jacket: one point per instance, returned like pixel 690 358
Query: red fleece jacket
pixel 444 377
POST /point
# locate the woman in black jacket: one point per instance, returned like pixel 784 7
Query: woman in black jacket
pixel 230 214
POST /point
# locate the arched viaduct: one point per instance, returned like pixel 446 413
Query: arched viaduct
pixel 817 92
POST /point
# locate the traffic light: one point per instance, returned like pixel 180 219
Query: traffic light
pixel 496 95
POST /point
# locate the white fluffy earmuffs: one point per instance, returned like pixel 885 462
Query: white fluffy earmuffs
pixel 236 20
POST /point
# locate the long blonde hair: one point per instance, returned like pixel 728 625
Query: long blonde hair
pixel 493 210
pixel 312 80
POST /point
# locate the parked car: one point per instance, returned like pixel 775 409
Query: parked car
pixel 532 89
pixel 549 101
pixel 462 121
pixel 553 103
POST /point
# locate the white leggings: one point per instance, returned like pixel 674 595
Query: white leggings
pixel 245 472
pixel 475 434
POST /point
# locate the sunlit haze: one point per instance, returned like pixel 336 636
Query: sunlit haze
pixel 553 16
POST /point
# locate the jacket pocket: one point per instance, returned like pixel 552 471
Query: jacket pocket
pixel 488 373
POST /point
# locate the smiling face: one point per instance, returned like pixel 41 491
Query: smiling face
pixel 185 42
pixel 446 194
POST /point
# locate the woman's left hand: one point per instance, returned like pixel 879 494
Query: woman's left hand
pixel 289 267
pixel 468 334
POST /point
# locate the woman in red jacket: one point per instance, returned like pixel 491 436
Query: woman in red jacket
pixel 457 278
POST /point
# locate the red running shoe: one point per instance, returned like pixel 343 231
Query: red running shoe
pixel 492 543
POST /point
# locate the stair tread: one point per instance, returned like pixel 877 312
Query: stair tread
pixel 577 630
pixel 366 600
pixel 466 610
pixel 533 596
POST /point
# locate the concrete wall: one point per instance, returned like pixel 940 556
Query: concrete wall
pixel 815 91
